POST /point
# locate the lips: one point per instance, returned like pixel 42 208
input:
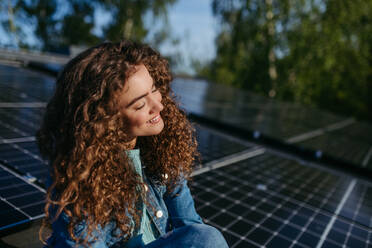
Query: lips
pixel 154 120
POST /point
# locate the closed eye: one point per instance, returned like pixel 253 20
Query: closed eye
pixel 138 108
pixel 153 90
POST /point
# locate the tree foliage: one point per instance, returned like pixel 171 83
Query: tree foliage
pixel 128 16
pixel 310 51
pixel 59 23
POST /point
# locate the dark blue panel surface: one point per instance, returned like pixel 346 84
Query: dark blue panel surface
pixel 24 157
pixel 246 110
pixel 352 143
pixel 21 85
pixel 20 201
pixel 269 200
pixel 213 146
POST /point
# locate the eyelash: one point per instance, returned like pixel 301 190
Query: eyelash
pixel 154 90
pixel 138 108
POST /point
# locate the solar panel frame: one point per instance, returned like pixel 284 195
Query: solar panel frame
pixel 20 200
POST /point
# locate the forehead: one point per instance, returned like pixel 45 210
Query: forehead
pixel 139 83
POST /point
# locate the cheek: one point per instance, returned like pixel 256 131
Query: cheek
pixel 137 120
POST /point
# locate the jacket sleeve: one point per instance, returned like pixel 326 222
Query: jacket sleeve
pixel 61 237
pixel 181 208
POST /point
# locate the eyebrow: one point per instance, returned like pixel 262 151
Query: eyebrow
pixel 137 98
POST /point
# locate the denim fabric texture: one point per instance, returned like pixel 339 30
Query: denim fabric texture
pixel 173 217
pixel 191 236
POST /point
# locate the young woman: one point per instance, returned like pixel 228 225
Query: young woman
pixel 120 152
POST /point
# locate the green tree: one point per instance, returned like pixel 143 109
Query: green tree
pixel 315 52
pixel 330 59
pixel 247 43
pixel 128 19
pixel 13 21
pixel 78 24
pixel 60 23
pixel 52 27
pixel 42 12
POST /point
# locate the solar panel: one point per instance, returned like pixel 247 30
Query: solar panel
pixel 24 158
pixel 359 206
pixel 352 143
pixel 21 201
pixel 212 146
pixel 344 139
pixel 255 197
pixel 17 123
pixel 21 85
pixel 22 104
pixel 270 201
pixel 243 109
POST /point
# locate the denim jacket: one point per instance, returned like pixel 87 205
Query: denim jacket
pixel 167 211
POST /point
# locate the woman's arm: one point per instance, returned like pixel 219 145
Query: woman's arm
pixel 181 208
pixel 61 237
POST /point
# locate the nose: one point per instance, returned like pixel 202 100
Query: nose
pixel 156 105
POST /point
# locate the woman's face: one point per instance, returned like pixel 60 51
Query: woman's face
pixel 140 102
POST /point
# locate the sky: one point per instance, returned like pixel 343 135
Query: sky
pixel 190 21
pixel 193 23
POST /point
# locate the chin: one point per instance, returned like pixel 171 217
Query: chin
pixel 159 129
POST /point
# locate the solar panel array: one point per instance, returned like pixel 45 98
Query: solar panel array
pixel 256 196
pixel 21 201
pixel 22 171
pixel 272 201
pixel 351 143
pixel 338 136
pixel 243 109
pixel 19 85
pixel 22 105
pixel 213 147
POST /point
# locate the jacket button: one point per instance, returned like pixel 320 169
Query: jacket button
pixel 146 188
pixel 159 214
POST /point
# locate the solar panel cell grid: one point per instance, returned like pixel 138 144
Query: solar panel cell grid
pixel 212 146
pixel 245 110
pixel 248 203
pixel 24 157
pixel 8 131
pixel 25 120
pixel 35 209
pixel 342 138
pixel 11 94
pixel 24 85
pixel 20 201
pixel 352 150
pixel 359 205
pixel 264 201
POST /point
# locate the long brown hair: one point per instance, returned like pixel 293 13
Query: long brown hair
pixel 83 134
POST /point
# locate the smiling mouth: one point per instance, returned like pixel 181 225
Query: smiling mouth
pixel 154 120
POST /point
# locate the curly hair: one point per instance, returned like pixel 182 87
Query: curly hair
pixel 83 135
